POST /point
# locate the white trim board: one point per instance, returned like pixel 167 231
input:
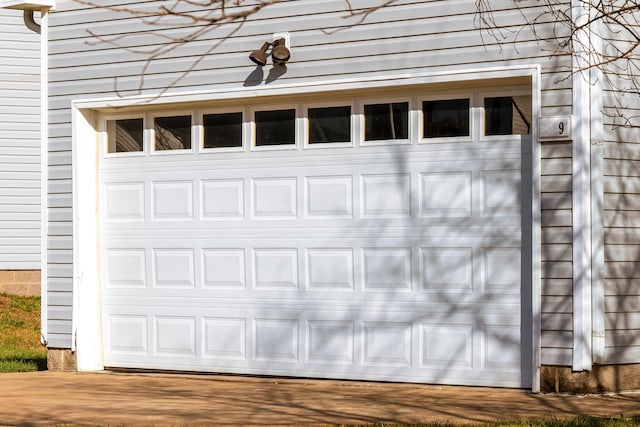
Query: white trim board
pixel 479 74
pixel 44 174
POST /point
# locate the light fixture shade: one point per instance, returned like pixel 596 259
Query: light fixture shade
pixel 260 56
pixel 279 52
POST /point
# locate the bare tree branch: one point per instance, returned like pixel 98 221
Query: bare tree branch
pixel 619 58
pixel 199 17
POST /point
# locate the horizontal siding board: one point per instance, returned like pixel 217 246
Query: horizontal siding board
pixel 59 201
pixel 56 284
pixel 59 242
pixel 622 151
pixel 556 356
pixel 60 229
pixel 623 321
pixel 551 235
pixel 17 96
pixel 557 287
pixel 59 158
pixel 625 219
pixel 57 312
pixel 60 214
pixel 557 218
pixel 625 167
pixel 615 184
pixel 59 327
pixel 557 304
pixel 26 193
pixel 59 172
pixel 618 134
pixel 556 322
pixel 555 183
pixel 24 216
pixel 17 225
pixel 557 252
pixel 19 241
pixel 59 145
pixel 554 150
pixel 622 286
pixel 557 339
pixel 62 341
pixel 623 338
pixel 60 256
pixel 556 166
pixel 614 253
pixel 21 264
pixel 549 201
pixel 59 270
pixel 60 298
pixel 622 354
pixel 33 111
pixel 17 234
pixel 622 202
pixel 621 304
pixel 622 270
pixel 60 186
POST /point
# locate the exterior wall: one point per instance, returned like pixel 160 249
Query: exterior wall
pixel 557 237
pixel 19 155
pixel 621 209
pixel 407 37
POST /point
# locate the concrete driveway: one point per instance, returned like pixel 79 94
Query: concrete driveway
pixel 107 398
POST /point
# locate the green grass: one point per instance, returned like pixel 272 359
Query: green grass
pixel 20 349
pixel 574 422
pixel 577 422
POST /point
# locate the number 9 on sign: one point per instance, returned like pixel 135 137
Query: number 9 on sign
pixel 555 128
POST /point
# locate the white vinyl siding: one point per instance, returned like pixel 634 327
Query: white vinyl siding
pixel 556 254
pixel 622 250
pixel 621 209
pixel 407 37
pixel 19 144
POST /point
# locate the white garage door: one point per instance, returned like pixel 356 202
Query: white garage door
pixel 385 262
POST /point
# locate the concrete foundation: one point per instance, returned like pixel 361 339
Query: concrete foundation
pixel 601 379
pixel 20 282
pixel 61 360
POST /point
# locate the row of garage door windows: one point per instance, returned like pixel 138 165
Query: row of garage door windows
pixel 447 118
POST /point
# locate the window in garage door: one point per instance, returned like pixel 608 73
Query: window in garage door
pixel 222 129
pixel 386 121
pixel 125 135
pixel 172 132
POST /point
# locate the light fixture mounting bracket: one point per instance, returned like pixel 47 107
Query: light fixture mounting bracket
pixel 285 36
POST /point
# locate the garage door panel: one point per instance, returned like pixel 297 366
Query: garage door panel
pixel 334 342
pixel 500 154
pixel 441 191
pixel 330 267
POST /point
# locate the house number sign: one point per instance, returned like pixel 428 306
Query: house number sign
pixel 555 128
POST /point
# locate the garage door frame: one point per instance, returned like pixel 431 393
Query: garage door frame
pixel 86 322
